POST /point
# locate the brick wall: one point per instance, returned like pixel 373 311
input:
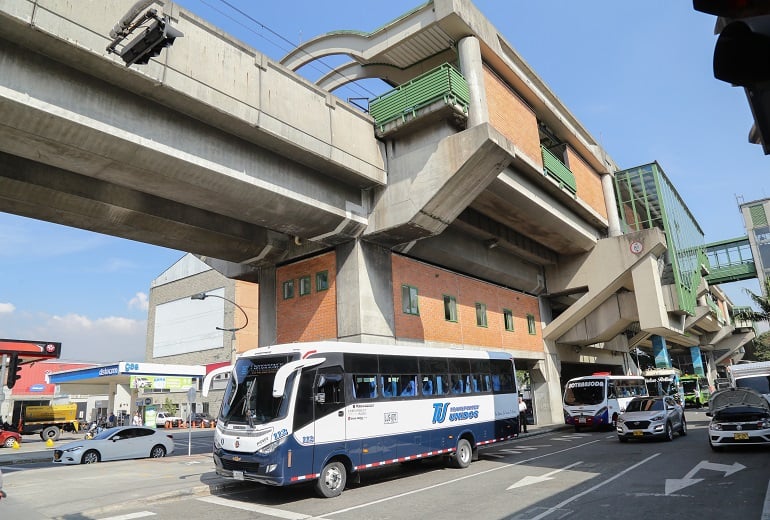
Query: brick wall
pixel 247 296
pixel 433 283
pixel 312 317
pixel 512 117
pixel 589 183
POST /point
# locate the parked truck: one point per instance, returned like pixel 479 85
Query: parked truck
pixel 755 375
pixel 49 421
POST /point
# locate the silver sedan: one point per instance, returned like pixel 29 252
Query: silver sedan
pixel 122 442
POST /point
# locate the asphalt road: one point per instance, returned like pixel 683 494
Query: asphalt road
pixel 553 475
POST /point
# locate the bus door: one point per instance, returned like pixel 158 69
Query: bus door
pixel 329 411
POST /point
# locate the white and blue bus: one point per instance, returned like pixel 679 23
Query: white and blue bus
pixel 325 411
pixel 598 399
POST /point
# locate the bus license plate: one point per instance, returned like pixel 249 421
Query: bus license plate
pixel 741 436
pixel 238 475
pixel 638 433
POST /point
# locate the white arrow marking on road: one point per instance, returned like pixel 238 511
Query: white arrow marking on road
pixel 526 481
pixel 675 484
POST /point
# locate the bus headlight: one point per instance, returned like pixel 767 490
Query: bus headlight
pixel 270 448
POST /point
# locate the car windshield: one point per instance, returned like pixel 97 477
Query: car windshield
pixel 249 397
pixel 645 405
pixel 585 392
pixel 105 434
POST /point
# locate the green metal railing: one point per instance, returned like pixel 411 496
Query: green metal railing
pixel 557 170
pixel 716 310
pixel 442 83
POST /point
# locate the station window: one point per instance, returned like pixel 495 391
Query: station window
pixel 409 300
pixel 322 281
pixel 304 286
pixel 481 314
pixel 450 308
pixel 531 324
pixel 508 319
pixel 288 289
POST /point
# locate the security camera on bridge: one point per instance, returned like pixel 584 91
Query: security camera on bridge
pixel 153 38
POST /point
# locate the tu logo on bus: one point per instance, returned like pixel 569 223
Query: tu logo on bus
pixel 439 412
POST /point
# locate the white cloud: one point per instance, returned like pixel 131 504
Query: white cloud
pixel 140 301
pixel 107 339
pixel 7 308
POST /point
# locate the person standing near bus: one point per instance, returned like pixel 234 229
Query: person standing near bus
pixel 522 415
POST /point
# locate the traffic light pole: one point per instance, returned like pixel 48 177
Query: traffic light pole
pixel 3 365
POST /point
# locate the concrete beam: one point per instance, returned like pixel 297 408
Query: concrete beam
pixel 431 186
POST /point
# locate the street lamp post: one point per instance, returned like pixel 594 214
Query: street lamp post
pixel 203 296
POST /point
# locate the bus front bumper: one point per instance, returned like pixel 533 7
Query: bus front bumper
pixel 241 466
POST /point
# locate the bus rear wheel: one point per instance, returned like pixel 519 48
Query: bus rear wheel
pixel 332 480
pixel 463 454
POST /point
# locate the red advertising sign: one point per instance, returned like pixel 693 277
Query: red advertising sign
pixel 30 349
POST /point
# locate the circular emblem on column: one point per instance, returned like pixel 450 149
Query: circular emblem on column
pixel 636 247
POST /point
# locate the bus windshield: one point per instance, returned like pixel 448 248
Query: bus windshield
pixel 689 385
pixel 585 392
pixel 248 398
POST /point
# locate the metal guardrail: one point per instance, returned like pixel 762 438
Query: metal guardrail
pixel 442 83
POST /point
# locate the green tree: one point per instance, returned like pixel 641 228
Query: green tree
pixel 759 348
pixel 169 406
pixel 761 301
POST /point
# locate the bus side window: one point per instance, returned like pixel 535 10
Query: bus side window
pixel 427 385
pixel 364 386
pixel 442 385
pixel 457 384
pixel 389 388
pixel 408 386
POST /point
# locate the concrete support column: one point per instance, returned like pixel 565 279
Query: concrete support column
pixel 364 294
pixel 267 334
pixel 613 219
pixel 697 361
pixel 471 67
pixel 659 350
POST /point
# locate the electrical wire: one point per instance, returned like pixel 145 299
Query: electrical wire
pixel 292 46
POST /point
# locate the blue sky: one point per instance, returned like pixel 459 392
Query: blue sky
pixel 636 74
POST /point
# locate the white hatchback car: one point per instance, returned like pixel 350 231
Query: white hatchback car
pixel 651 417
pixel 739 417
pixel 119 443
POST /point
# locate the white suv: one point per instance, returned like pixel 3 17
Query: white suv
pixel 165 418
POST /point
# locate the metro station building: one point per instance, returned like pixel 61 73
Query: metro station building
pixel 466 207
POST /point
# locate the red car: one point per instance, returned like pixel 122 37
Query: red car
pixel 7 438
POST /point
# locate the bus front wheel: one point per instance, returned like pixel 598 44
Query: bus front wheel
pixel 463 454
pixel 332 480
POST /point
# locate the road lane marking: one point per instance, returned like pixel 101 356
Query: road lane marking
pixel 591 489
pixel 766 505
pixel 526 481
pixel 676 484
pixel 459 479
pixel 130 516
pixel 256 508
